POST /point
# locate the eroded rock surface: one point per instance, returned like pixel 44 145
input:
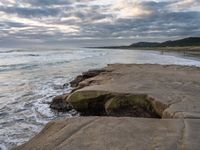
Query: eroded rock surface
pixel 84 76
pixel 110 133
pixel 172 90
pixel 59 103
pixel 102 103
pixel 169 92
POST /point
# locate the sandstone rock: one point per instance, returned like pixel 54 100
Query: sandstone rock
pixel 89 103
pixel 111 133
pixel 76 81
pixel 84 76
pixel 59 103
pixel 172 90
pixel 98 103
pixel 130 105
pixel 169 91
pixel 92 73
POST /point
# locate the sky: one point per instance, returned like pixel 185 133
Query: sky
pixel 61 23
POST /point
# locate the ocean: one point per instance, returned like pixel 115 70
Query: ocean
pixel 30 78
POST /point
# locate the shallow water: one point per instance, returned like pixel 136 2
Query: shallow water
pixel 30 78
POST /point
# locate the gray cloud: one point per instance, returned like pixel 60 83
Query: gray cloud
pixel 47 2
pixel 31 12
pixel 63 20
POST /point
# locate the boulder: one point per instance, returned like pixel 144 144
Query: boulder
pixel 84 76
pixel 89 103
pixel 76 81
pixel 59 103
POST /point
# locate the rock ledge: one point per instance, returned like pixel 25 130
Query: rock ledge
pixel 149 92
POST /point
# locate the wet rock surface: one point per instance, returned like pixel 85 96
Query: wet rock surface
pixel 59 103
pixel 84 76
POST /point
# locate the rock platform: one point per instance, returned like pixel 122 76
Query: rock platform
pixel 129 107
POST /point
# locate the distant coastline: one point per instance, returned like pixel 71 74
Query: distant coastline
pixel 186 44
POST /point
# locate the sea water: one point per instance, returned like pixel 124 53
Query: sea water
pixel 30 78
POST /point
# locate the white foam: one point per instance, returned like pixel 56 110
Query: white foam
pixel 3 147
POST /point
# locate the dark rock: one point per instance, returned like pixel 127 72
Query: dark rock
pixel 76 81
pixel 92 73
pixel 59 103
pixel 84 76
pixel 131 105
pixel 66 85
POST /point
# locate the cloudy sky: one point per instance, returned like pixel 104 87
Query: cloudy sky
pixel 96 22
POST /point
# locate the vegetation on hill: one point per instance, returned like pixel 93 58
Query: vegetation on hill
pixel 191 41
pixel 186 42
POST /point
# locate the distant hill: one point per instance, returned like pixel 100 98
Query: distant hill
pixel 144 44
pixel 191 41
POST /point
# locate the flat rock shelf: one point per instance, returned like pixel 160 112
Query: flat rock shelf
pixel 128 106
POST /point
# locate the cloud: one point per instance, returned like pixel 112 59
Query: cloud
pixel 64 20
pixel 185 5
pixel 47 2
pixel 124 8
pixel 30 12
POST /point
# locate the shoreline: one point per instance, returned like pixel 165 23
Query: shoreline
pixel 130 93
pixel 186 49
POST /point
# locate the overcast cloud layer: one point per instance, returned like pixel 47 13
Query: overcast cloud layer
pixel 96 22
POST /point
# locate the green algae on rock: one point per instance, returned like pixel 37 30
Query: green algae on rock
pixel 98 103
